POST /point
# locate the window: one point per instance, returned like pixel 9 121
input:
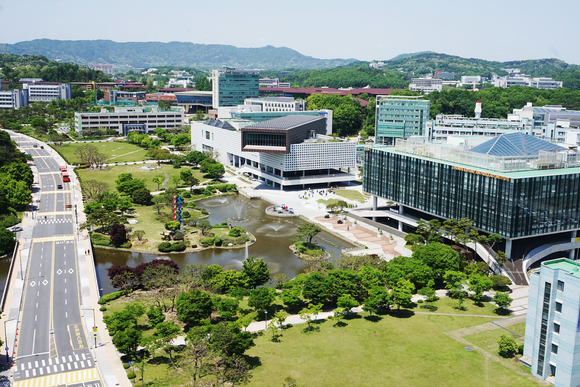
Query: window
pixel 558 307
pixel 207 135
pixel 560 286
pixel 557 328
pixel 554 349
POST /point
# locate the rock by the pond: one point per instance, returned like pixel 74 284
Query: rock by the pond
pixel 133 221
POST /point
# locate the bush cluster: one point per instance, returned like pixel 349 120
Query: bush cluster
pixel 111 296
pixel 236 231
pixel 167 247
pixel 207 241
pixel 100 240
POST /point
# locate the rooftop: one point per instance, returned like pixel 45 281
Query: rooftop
pixel 272 99
pixel 515 144
pixel 284 123
pixel 565 264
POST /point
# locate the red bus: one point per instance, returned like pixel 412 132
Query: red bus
pixel 65 177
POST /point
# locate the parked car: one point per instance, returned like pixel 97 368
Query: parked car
pixel 16 228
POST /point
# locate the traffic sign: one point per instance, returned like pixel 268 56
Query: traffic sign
pixel 95 332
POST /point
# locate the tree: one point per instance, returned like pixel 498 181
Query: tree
pixel 479 283
pixel 118 234
pixel 501 258
pixel 181 140
pixel 195 157
pixel 139 234
pixel 227 338
pixel 402 293
pixel 172 225
pixel 310 311
pixel 175 180
pixel 430 230
pixel 454 281
pixel 204 226
pixel 92 188
pixel 507 346
pixel 193 306
pixel 347 302
pixel 307 231
pixel 227 307
pixel 215 170
pixel 441 258
pixel 119 321
pixel 159 179
pixel 127 185
pixel 260 299
pixel 502 300
pixel 7 241
pixel 291 297
pixel 142 196
pixel 124 204
pixel 128 340
pixel 317 288
pixel 158 203
pixel 256 270
pixel 123 278
pixel 202 83
pixel 155 315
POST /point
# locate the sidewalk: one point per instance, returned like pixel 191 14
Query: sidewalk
pixel 105 354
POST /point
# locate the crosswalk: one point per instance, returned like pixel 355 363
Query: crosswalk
pixel 54 239
pixel 60 379
pixel 51 220
pixel 40 214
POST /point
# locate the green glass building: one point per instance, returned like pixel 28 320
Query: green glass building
pixel 515 185
pixel 400 117
pixel 231 87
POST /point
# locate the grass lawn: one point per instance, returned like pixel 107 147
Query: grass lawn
pixel 449 305
pixel 412 351
pixel 116 151
pixel 110 174
pixel 352 195
pixel 488 339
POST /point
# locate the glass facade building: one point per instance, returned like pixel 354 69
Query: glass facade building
pixel 400 117
pixel 515 203
pixel 231 87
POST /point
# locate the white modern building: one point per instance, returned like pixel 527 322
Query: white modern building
pixel 285 152
pixel 129 119
pixel 426 85
pixel 276 104
pixel 552 340
pixel 13 98
pixel 46 92
pixel 273 82
pixel 538 83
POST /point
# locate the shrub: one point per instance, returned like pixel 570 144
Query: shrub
pixel 207 241
pixel 191 205
pixel 236 231
pixel 186 214
pixel 217 241
pixel 178 236
pixel 500 282
pixel 507 346
pixel 164 247
pixel 112 296
pixel 420 301
pixel 178 246
pixel 242 239
pixel 520 349
pixel 198 191
pixel 100 240
pixel 176 164
pixel 227 241
pixel 204 211
pixel 126 245
pixel 186 195
pixel 131 375
pixel 103 308
pixel 225 224
pixel 126 365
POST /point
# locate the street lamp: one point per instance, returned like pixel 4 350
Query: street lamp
pixel 266 321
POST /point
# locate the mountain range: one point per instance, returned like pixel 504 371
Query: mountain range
pixel 147 54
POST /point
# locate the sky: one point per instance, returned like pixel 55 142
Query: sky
pixel 364 29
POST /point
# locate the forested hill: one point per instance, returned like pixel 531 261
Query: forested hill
pixel 429 62
pixel 15 67
pixel 146 54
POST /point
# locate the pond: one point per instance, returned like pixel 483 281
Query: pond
pixel 272 241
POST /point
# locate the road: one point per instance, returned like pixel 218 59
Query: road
pixel 52 343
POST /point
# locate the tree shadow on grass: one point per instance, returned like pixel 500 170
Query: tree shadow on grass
pixel 340 324
pixel 401 313
pixel 157 360
pixel 430 308
pixel 502 311
pixel 352 316
pixel 310 329
pixel 253 361
pixel 373 318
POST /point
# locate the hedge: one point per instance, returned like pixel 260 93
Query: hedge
pixel 112 296
pixel 207 241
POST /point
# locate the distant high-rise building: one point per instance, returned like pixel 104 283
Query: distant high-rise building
pixel 444 75
pixel 231 87
pixel 400 117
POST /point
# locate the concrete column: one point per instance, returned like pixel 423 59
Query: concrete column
pixel 328 171
pixel 508 248
pixel 281 187
pixel 304 173
pixel 348 169
pixel 571 252
pixel 400 226
pixel 375 202
pixel 401 209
